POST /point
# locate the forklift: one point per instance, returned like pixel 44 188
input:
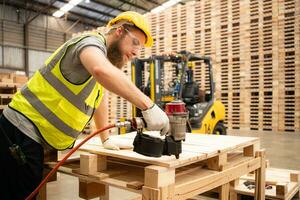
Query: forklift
pixel 206 115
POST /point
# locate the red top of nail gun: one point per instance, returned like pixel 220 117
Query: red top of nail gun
pixel 175 107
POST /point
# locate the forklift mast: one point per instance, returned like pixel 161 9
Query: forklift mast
pixel 154 88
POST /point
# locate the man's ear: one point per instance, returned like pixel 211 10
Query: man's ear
pixel 119 31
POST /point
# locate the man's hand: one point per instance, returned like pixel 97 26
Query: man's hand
pixel 112 144
pixel 156 120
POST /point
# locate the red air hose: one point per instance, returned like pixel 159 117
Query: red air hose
pixel 44 181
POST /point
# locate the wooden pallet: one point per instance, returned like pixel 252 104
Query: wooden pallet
pixel 207 162
pixel 280 183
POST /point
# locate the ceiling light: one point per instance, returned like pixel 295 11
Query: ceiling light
pixel 66 7
pixel 58 14
pixel 157 9
pixel 165 6
pixel 169 3
pixel 75 2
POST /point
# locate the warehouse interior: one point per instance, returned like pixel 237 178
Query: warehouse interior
pixel 251 54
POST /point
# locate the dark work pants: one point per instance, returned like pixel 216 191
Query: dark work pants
pixel 18 181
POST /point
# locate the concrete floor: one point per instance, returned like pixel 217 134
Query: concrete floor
pixel 282 150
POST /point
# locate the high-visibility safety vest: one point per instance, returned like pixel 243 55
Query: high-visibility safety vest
pixel 58 108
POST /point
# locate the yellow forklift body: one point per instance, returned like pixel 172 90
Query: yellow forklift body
pixel 215 114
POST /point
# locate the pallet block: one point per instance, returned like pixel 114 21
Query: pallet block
pixel 90 190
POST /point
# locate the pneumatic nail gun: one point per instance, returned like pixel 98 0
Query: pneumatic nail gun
pixel 172 144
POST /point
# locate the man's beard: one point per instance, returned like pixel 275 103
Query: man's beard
pixel 114 53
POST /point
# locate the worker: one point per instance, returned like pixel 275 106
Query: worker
pixel 61 97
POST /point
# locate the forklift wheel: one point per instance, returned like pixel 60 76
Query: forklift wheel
pixel 220 129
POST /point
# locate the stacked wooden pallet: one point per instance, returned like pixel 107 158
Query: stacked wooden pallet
pixel 253 45
pixel 288 39
pixel 9 84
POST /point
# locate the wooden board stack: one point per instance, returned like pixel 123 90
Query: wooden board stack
pixel 9 84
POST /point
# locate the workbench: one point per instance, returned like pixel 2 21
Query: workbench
pixel 207 162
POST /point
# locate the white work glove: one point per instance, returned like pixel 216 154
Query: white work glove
pixel 156 120
pixel 112 144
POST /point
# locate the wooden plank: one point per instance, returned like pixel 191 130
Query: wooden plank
pixel 6 96
pixel 9 85
pixel 107 174
pixel 135 185
pixel 6 80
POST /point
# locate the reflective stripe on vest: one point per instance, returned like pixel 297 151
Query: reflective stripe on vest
pixel 43 110
pixel 61 93
pixel 64 91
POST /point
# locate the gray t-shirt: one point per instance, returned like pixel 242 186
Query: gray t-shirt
pixel 73 70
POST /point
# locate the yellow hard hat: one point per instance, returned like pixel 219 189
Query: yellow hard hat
pixel 138 20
